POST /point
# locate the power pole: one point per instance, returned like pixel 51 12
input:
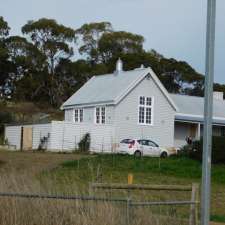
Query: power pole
pixel 208 113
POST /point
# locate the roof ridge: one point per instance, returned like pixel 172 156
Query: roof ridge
pixel 127 71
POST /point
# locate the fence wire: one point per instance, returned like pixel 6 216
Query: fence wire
pixel 126 211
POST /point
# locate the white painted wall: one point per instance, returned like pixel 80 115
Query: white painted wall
pixel 126 116
pixel 40 131
pixel 13 134
pixel 65 136
pixel 89 115
pixel 181 133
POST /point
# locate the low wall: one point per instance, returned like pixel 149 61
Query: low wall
pixel 13 134
pixel 65 136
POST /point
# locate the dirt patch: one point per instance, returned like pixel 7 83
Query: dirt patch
pixel 2 163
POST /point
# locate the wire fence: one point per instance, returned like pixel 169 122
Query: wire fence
pixel 129 212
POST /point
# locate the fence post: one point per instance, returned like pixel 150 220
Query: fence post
pixel 128 211
pixel 197 203
pixel 193 220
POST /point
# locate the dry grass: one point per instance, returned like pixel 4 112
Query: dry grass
pixel 19 172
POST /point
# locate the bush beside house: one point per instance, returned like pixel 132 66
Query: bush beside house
pixel 195 150
pixel 84 144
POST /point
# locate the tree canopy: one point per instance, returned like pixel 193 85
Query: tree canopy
pixel 41 65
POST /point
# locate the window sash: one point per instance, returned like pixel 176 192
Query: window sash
pixel 141 114
pixel 148 115
pixel 78 115
pixel 145 110
pixel 97 115
pixel 103 115
pixel 100 115
pixel 81 117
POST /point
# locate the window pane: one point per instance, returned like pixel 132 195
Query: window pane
pixel 76 115
pixel 81 115
pixel 144 142
pixel 148 115
pixel 103 115
pixel 141 114
pixel 142 100
pixel 148 101
pixel 152 144
pixel 97 115
pixel 128 141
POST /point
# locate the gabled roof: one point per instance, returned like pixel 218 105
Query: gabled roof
pixel 112 88
pixel 191 108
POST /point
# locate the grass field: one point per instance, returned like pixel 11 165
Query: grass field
pixel 114 169
pixel 71 174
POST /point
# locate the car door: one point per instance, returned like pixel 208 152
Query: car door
pixel 154 149
pixel 145 148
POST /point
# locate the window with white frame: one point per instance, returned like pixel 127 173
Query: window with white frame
pixel 78 115
pixel 100 115
pixel 145 110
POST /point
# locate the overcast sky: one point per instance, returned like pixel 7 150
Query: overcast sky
pixel 175 28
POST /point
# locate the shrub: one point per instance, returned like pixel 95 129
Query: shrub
pixel 84 143
pixel 218 150
pixel 5 117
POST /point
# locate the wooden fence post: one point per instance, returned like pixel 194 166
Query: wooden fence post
pixel 193 220
pixel 128 212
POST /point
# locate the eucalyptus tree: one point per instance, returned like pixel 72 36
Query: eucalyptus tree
pixel 26 80
pixel 90 35
pixel 114 44
pixel 5 64
pixel 54 41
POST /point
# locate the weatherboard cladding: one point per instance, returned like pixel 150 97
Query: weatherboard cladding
pixel 13 134
pixel 89 114
pixel 126 115
pixel 66 136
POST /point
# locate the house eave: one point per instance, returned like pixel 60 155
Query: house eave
pixel 84 105
pixel 189 118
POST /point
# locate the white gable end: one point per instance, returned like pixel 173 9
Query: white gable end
pixel 127 115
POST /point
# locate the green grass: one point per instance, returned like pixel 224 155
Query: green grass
pixel 183 168
pixel 218 218
pixel 115 168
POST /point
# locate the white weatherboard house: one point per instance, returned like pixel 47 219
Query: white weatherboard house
pixel 124 104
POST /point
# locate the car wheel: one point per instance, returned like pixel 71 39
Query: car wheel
pixel 137 154
pixel 164 155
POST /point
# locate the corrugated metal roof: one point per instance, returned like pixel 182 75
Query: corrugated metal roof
pixel 192 108
pixel 111 88
pixel 105 88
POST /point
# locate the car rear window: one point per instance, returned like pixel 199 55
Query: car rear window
pixel 127 141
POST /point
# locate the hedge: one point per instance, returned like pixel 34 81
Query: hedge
pixel 218 150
